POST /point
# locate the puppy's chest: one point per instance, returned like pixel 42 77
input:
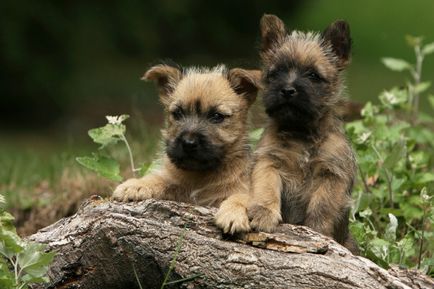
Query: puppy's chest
pixel 298 160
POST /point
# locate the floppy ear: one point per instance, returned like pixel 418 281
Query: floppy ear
pixel 166 78
pixel 273 32
pixel 338 35
pixel 245 82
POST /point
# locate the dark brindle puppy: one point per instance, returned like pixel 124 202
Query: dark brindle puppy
pixel 304 167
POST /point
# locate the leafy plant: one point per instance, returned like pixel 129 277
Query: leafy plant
pixel 392 217
pixel 21 262
pixel 108 135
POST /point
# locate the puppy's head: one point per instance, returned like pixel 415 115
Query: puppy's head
pixel 206 112
pixel 302 71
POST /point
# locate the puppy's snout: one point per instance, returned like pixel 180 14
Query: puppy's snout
pixel 190 141
pixel 288 92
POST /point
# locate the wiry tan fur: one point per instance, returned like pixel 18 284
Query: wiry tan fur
pixel 306 180
pixel 231 92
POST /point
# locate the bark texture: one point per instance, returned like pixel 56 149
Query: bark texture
pixel 112 245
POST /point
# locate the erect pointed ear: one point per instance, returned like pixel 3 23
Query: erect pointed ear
pixel 338 35
pixel 245 82
pixel 273 32
pixel 166 78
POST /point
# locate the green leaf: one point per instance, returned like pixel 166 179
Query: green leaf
pixel 366 213
pixel 423 86
pixel 358 231
pixel 396 64
pixel 369 110
pixel 40 268
pixel 406 245
pixel 10 243
pixel 34 261
pixel 380 248
pixel 425 178
pixel 104 166
pixel 108 134
pixel 390 232
pixel 397 153
pixel 7 280
pixel 431 100
pixel 428 49
pixel 27 278
pixel 7 222
pixel 255 135
pixel 148 167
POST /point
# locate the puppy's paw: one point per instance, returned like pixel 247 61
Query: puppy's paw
pixel 232 218
pixel 263 219
pixel 132 190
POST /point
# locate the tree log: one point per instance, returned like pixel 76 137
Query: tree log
pixel 117 245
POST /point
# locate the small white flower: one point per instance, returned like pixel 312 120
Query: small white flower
pixel 364 136
pixel 391 97
pixel 114 119
pixel 424 195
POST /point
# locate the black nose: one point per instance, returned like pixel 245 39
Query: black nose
pixel 189 141
pixel 288 92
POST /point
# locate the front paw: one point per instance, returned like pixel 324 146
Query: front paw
pixel 232 218
pixel 263 219
pixel 132 190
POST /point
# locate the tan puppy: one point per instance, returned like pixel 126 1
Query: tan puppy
pixel 304 167
pixel 207 154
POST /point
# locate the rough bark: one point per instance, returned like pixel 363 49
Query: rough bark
pixel 105 243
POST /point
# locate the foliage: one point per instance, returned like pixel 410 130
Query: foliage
pixel 392 217
pixel 21 262
pixel 110 134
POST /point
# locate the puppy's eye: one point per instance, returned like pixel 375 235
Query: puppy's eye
pixel 177 114
pixel 216 117
pixel 314 76
pixel 272 73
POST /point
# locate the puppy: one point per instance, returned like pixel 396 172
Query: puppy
pixel 207 155
pixel 304 167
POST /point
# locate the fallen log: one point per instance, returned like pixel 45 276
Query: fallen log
pixel 119 245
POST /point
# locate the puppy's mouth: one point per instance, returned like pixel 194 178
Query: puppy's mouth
pixel 297 112
pixel 203 157
pixel 296 108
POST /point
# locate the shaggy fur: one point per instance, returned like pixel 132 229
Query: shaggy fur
pixel 304 167
pixel 206 149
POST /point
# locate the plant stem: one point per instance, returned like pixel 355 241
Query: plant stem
pixel 417 75
pixel 389 179
pixel 363 177
pixel 15 264
pixel 137 277
pixel 133 168
pixel 175 256
pixel 185 279
pixel 419 258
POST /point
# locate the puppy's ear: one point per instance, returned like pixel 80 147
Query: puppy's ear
pixel 273 32
pixel 338 36
pixel 245 83
pixel 166 78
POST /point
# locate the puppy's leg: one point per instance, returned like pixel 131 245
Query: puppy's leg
pixel 327 204
pixel 150 186
pixel 232 214
pixel 264 211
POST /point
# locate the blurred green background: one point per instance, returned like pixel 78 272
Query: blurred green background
pixel 64 65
